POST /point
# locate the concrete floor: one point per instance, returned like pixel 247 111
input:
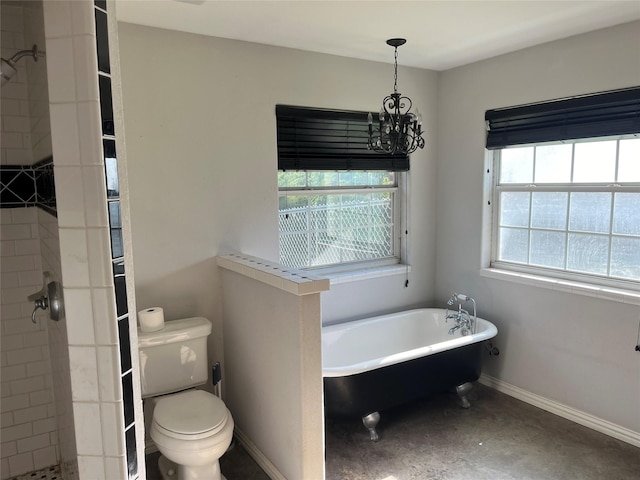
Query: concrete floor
pixel 498 438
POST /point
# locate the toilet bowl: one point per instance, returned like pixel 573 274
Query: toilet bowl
pixel 192 430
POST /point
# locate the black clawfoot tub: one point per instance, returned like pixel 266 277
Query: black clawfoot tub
pixel 381 362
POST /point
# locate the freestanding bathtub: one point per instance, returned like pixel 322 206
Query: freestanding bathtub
pixel 381 362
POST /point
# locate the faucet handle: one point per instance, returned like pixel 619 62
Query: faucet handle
pixel 49 297
pixel 40 303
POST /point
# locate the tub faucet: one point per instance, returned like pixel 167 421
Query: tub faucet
pixel 453 329
pixel 463 321
pixel 462 317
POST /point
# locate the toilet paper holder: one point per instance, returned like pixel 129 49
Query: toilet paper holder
pixel 49 297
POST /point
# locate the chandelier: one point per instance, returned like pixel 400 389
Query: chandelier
pixel 398 130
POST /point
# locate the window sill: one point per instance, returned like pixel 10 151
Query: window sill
pixel 606 293
pixel 337 277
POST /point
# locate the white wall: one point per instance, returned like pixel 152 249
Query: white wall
pixel 201 145
pixel 576 350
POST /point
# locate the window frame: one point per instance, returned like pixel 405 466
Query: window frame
pixel 399 220
pixel 561 274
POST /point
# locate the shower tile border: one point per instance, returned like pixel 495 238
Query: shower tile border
pixel 103 13
pixel 23 186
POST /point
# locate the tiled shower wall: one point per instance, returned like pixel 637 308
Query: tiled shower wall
pixel 58 347
pixel 26 133
pixel 29 433
pixel 15 148
pixel 84 135
pixel 29 428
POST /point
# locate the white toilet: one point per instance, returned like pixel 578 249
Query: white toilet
pixel 191 428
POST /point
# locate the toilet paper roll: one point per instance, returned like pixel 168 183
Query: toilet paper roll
pixel 151 319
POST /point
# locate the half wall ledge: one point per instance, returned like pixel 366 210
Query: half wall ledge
pixel 290 280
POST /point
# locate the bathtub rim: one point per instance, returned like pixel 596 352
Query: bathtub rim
pixel 489 331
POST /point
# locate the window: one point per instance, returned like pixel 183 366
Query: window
pixel 329 218
pixel 339 203
pixel 570 207
pixel 566 200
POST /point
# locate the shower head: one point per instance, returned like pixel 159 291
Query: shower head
pixel 9 66
pixel 8 70
pixel 460 297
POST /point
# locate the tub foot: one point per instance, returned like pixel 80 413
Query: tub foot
pixel 371 421
pixel 462 391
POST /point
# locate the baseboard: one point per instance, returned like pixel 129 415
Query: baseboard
pixel 564 411
pixel 266 465
pixel 150 447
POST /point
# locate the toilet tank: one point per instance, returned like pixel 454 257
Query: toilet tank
pixel 175 357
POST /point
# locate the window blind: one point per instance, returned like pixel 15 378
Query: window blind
pixel 614 112
pixel 320 139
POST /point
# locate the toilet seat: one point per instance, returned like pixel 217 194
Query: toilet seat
pixel 190 415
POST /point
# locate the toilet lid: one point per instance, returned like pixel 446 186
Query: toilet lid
pixel 190 413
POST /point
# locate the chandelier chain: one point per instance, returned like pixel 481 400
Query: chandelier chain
pixel 395 71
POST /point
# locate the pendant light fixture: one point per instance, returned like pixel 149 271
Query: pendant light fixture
pixel 398 130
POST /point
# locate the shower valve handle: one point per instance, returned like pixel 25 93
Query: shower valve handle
pixel 40 303
pixel 50 297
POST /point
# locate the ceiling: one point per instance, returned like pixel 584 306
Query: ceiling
pixel 440 34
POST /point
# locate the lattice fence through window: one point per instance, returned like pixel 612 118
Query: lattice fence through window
pixel 337 231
